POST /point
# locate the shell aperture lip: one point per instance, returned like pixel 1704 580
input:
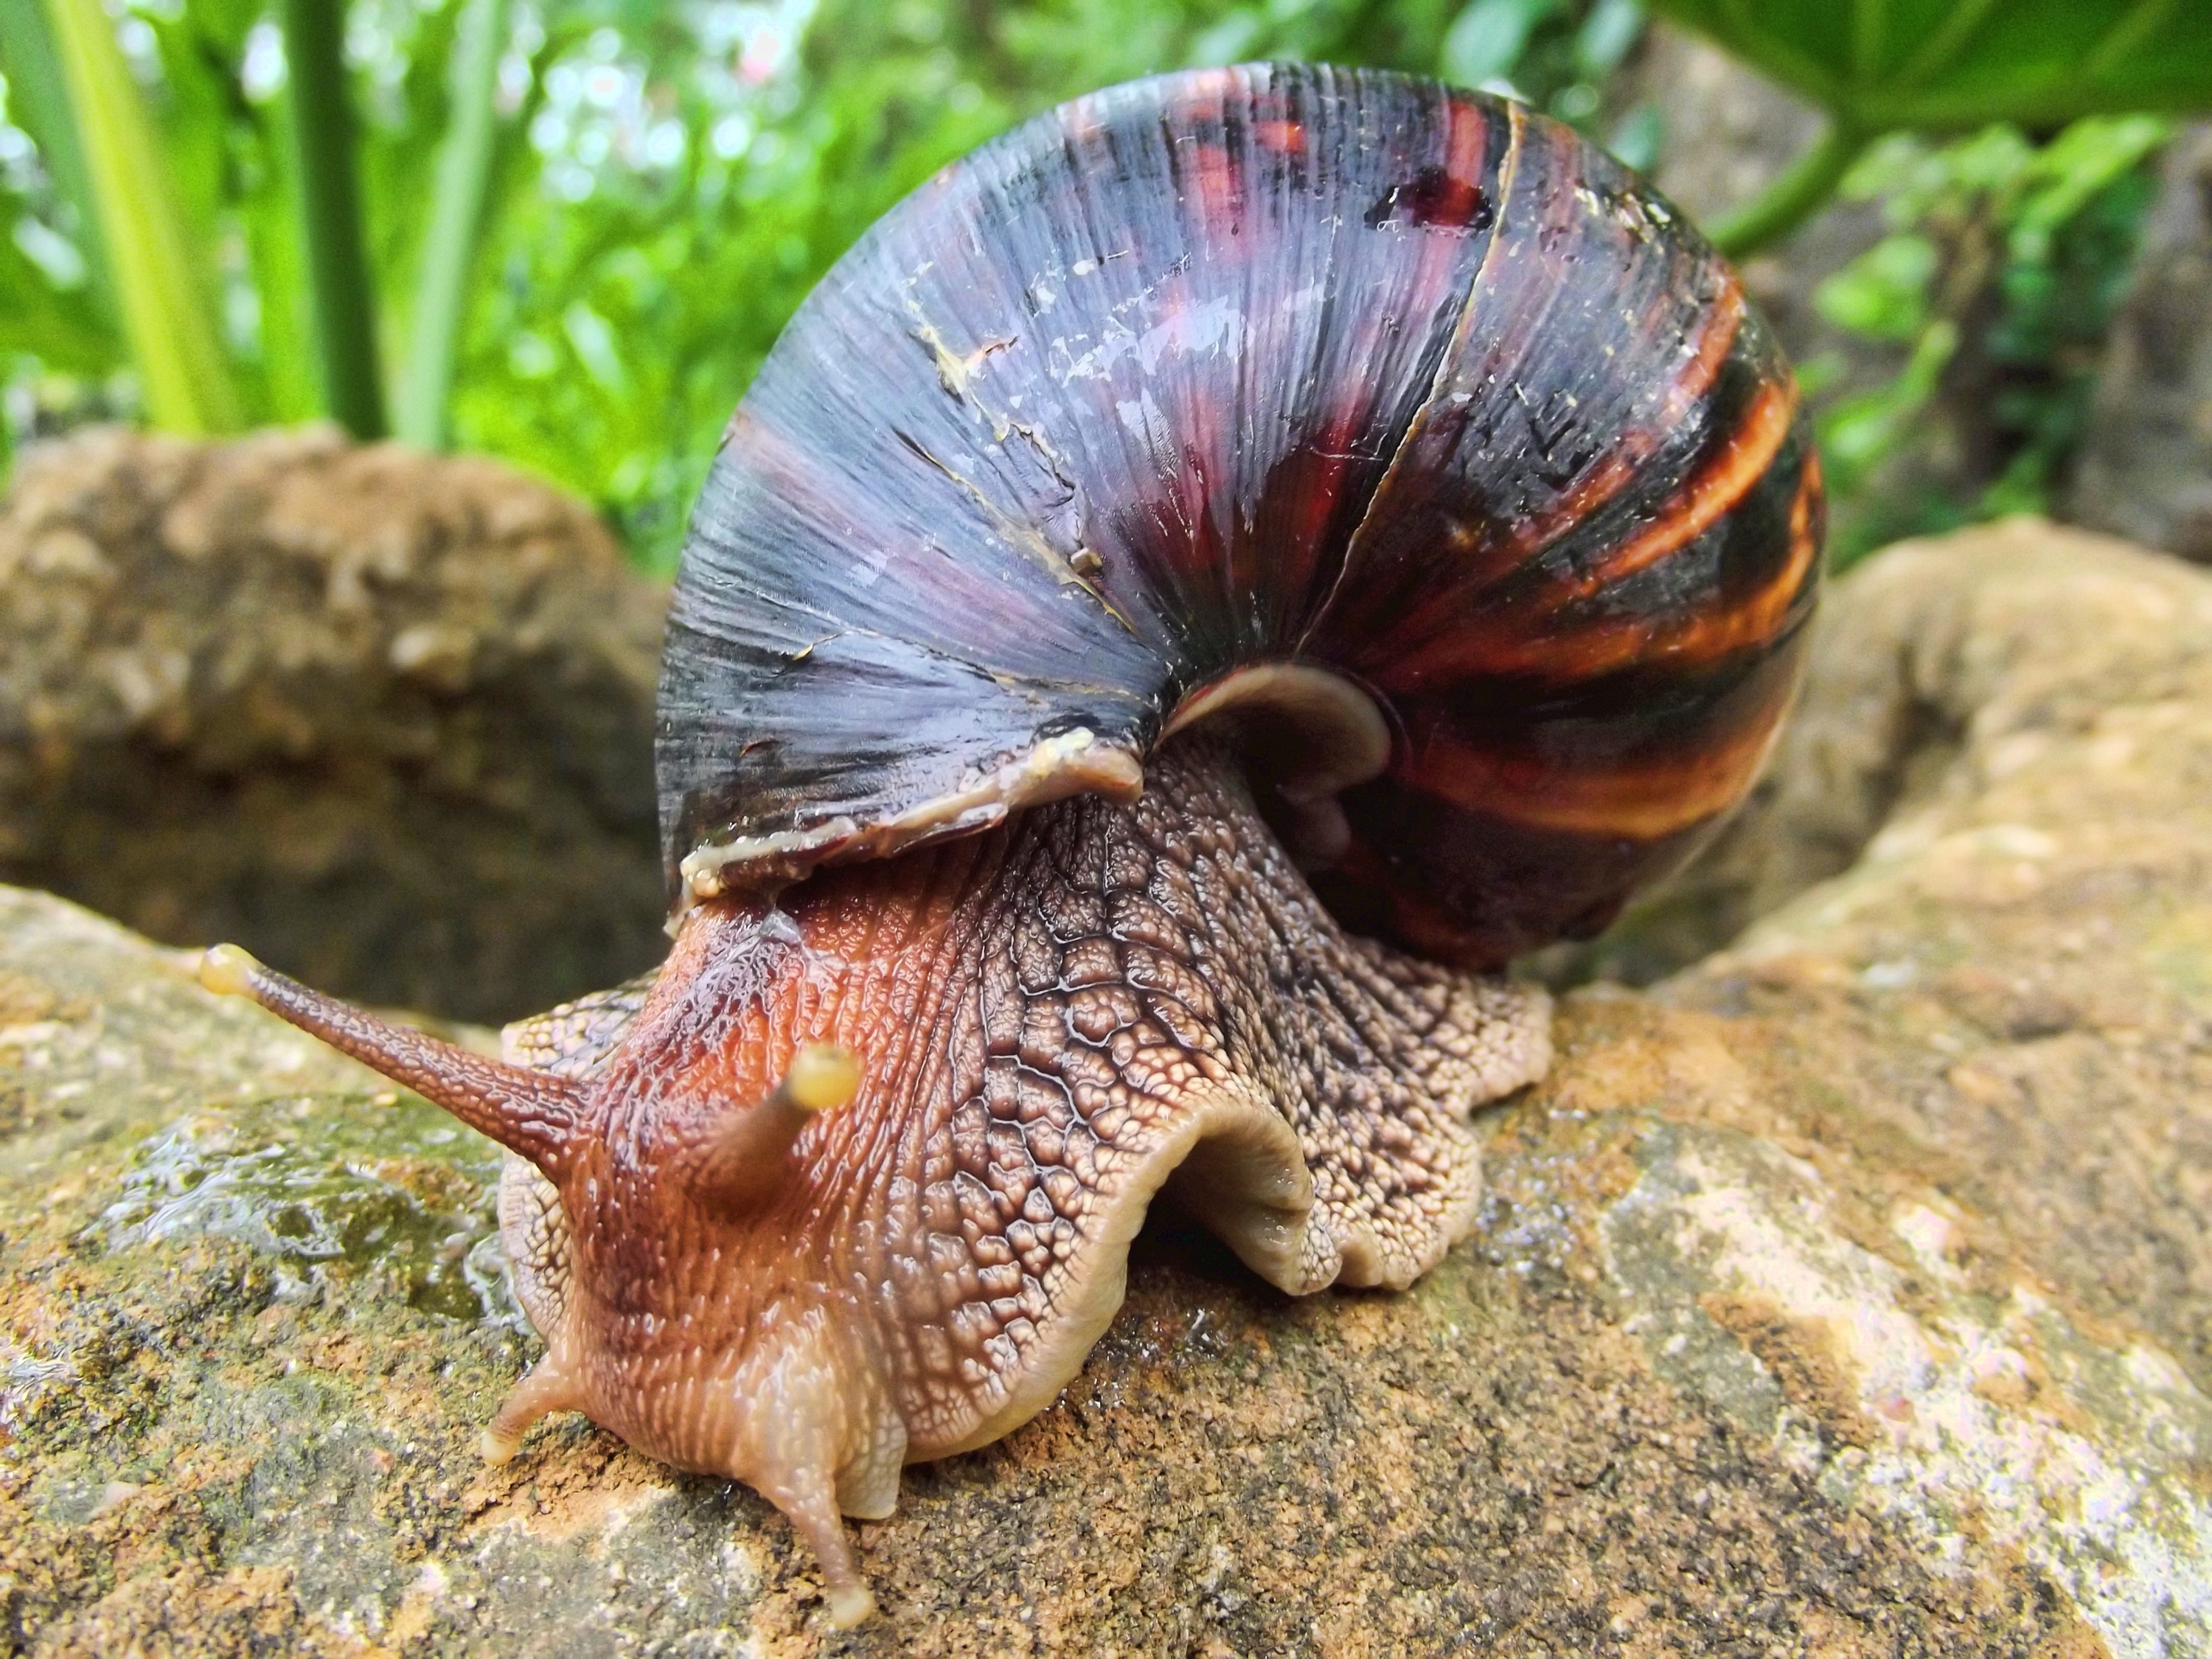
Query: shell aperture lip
pixel 1303 734
pixel 1069 764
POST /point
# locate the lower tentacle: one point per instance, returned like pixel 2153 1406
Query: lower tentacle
pixel 547 1388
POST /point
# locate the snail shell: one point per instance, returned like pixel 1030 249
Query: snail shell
pixel 1315 483
pixel 1402 413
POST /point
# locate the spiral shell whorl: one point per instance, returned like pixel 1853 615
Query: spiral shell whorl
pixel 1244 367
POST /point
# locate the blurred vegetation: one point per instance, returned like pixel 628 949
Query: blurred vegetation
pixel 656 187
pixel 1878 66
pixel 584 222
pixel 2003 265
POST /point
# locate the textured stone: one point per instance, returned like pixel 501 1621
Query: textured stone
pixel 1848 1293
pixel 384 717
pixel 1949 662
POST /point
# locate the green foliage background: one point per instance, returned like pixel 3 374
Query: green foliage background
pixel 2003 265
pixel 670 179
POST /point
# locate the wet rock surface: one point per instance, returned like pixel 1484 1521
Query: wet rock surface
pixel 1848 1293
pixel 384 717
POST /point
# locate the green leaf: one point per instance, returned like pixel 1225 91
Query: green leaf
pixel 1803 189
pixel 1637 137
pixel 65 331
pixel 2067 173
pixel 1882 293
pixel 40 105
pixel 1859 433
pixel 186 377
pixel 1881 65
pixel 267 205
pixel 1230 40
pixel 1486 41
pixel 339 271
pixel 1606 36
pixel 457 211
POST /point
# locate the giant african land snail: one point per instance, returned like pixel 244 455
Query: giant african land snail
pixel 1226 489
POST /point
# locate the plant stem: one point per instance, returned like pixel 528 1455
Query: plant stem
pixel 330 216
pixel 456 220
pixel 277 255
pixel 38 95
pixel 182 372
pixel 1803 189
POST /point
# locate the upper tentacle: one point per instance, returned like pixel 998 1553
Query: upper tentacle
pixel 531 1113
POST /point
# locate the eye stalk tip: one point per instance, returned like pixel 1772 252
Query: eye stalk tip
pixel 229 971
pixel 822 1077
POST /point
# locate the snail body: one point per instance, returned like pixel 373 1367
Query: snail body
pixel 1204 581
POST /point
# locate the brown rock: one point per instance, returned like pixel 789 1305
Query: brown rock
pixel 384 717
pixel 1952 661
pixel 1848 1294
pixel 2016 724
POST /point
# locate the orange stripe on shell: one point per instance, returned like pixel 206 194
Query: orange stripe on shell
pixel 1688 642
pixel 1664 795
pixel 1718 486
pixel 1619 470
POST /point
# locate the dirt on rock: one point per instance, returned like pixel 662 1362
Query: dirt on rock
pixel 385 718
pixel 1847 1294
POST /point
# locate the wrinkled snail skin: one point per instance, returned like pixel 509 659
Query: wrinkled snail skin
pixel 1206 579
